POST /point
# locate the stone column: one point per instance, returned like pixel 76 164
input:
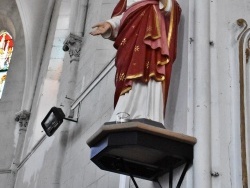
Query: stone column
pixel 78 16
pixel 22 118
pixel 202 95
pixel 72 44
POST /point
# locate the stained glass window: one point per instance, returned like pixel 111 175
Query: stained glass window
pixel 6 49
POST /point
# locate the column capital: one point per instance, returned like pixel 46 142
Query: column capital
pixel 22 118
pixel 73 44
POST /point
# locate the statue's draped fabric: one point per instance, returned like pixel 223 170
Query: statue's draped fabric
pixel 146 44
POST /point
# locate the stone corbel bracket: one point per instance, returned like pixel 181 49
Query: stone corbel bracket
pixel 22 118
pixel 73 44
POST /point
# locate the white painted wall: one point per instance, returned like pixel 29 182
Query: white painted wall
pixel 203 99
pixel 225 148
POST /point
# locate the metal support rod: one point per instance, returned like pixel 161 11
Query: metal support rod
pixel 183 175
pixel 133 179
pixel 171 178
pixel 128 171
pixel 157 180
pixel 91 86
pixel 69 119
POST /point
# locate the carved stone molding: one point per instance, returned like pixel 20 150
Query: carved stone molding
pixel 73 44
pixel 248 50
pixel 243 37
pixel 22 118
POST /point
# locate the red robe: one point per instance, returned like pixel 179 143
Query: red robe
pixel 146 44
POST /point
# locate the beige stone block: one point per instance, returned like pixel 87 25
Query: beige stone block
pixel 63 22
pixel 107 10
pixel 58 41
pixel 78 181
pixel 57 53
pixel 65 8
pixel 62 33
pixel 113 180
pixel 103 182
pixel 89 175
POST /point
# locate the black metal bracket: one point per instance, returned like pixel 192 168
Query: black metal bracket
pixel 158 183
pixel 181 178
pixel 133 179
pixel 183 175
pixel 157 180
pixel 126 168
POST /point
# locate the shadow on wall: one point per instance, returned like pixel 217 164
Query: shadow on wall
pixel 58 171
pixel 175 79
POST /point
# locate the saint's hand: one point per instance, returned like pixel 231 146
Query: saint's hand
pixel 100 28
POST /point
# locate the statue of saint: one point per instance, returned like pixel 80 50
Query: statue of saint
pixel 145 36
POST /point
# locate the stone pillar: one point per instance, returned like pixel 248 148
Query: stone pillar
pixel 78 16
pixel 22 118
pixel 73 44
pixel 202 96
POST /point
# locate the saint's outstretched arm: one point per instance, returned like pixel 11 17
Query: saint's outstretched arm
pixel 109 28
pixel 101 28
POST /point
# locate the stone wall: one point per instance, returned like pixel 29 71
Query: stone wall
pixel 203 100
pixel 63 159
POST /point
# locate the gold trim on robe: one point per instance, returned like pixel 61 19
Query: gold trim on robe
pixel 138 31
